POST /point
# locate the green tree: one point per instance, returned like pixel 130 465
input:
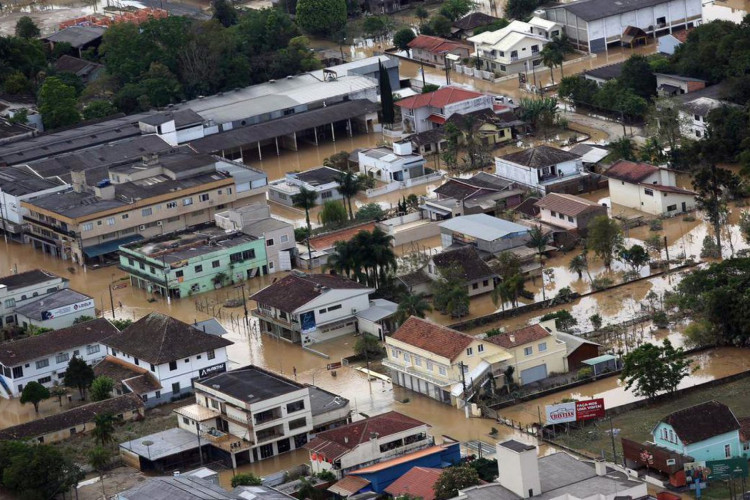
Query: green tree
pixel 596 321
pixel 386 95
pixel 246 479
pixel 321 17
pixel 453 479
pixel 402 38
pixel 121 324
pixel 552 57
pixel 349 184
pixel 638 76
pixel 305 200
pixel 578 265
pixel 440 25
pixel 579 90
pixel 539 241
pixel 333 214
pixel 104 430
pixel 37 472
pixel 541 113
pixel 79 375
pixel 665 122
pixel 521 9
pixel 563 319
pixel 421 13
pixel 455 9
pixel 486 468
pixel 58 391
pixel 621 149
pixel 376 26
pixel 224 12
pixel 101 388
pixel 450 294
pixel 636 257
pixel 413 304
pixel 98 109
pixel 371 211
pixel 711 183
pixel 99 459
pixel 17 83
pixel 57 104
pixel 339 161
pixel 368 345
pixel 34 393
pixel 27 28
pixel 604 238
pixel 651 369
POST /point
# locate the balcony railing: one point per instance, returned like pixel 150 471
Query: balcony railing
pixel 262 438
pixel 269 316
pixel 402 450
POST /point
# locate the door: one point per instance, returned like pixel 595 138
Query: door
pixel 684 206
pixel 533 374
pixel 285 260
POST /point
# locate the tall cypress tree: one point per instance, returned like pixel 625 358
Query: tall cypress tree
pixel 386 95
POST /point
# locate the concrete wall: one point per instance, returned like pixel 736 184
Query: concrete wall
pixel 12 299
pixel 635 196
pixel 57 322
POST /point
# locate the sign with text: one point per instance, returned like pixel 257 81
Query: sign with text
pixel 575 411
pixel 593 408
pixel 69 309
pixel 726 469
pixel 212 370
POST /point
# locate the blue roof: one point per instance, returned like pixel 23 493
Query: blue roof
pixel 110 246
pixel 599 359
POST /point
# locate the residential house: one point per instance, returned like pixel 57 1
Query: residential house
pixel 60 309
pixel 639 456
pixel 464 28
pixel 578 348
pixel 706 431
pixel 322 245
pixel 481 193
pixel 516 48
pixel 603 74
pixel 254 414
pixel 308 308
pixel 672 85
pixel 544 169
pixel 433 49
pixel 79 420
pixel 535 353
pixel 427 111
pixel 128 378
pixel 437 361
pixel 465 259
pixel 193 261
pixel 669 42
pixel 174 352
pixel 523 474
pixel 79 38
pixel 19 289
pixel 322 181
pixel 366 442
pixel 488 234
pixel 696 106
pixel 594 25
pixel 487 126
pixel 391 165
pixel 130 202
pixel 87 71
pixel 648 188
pixel 17 184
pixel 568 211
pixel 44 358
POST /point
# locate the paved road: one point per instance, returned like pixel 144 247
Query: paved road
pixel 611 128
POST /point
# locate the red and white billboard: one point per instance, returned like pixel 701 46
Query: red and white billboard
pixel 575 411
pixel 593 408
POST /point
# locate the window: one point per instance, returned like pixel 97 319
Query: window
pixel 152 269
pixel 746 446
pixel 648 192
pixel 153 368
pixel 62 358
pixel 671 208
pixel 542 347
pixel 334 308
pixel 17 371
pixel 10 302
pixel 469 351
pixel 527 351
pixel 697 133
pixel 137 362
pixel 394 352
pixel 203 197
pixel 176 387
pixel 417 361
pixel 269 242
pixel 475 286
pixel 110 221
pixel 171 204
pixel 45 380
pixel 661 20
pixel 570 219
pixel 199 268
pixel 98 223
pixel 73 431
pixel 561 216
pixel 145 212
pixel 296 406
pixel 211 354
pixel 215 264
pixel 42 363
pixel 145 397
pixel 297 423
pixel 185 421
pixel 480 348
pixel 728 450
pixel 406 357
pixel 179 274
pixel 187 201
pixel 125 216
pixel 327 194
pixel 486 283
pixel 442 370
pixel 172 366
pixel 428 365
pixel 158 394
pixel 284 238
pixel 92 349
pixel 88 226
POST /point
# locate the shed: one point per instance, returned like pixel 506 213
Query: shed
pixel 600 364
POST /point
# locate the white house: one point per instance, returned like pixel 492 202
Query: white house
pixel 672 85
pixel 696 106
pixel 544 169
pixel 20 289
pixel 396 165
pixel 309 308
pixel 174 352
pixel 176 127
pixel 60 309
pixel 367 442
pixel 536 352
pixel 516 48
pixel 21 183
pixel 568 211
pixel 321 180
pixel 427 111
pixel 255 414
pixel 647 188
pixel 592 25
pixel 44 358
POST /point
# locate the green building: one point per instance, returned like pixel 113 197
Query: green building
pixel 193 261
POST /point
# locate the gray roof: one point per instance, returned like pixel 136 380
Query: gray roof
pixel 540 157
pixel 517 446
pixel 77 36
pixel 27 278
pixel 20 181
pixel 165 444
pixel 72 204
pixel 61 298
pixel 211 326
pixel 182 118
pixel 607 72
pixel 379 310
pixel 483 226
pixel 190 487
pixel 678 77
pixel 573 342
pixel 590 10
pixel 322 401
pixel 251 384
pixel 261 227
pixel 318 176
pixel 702 106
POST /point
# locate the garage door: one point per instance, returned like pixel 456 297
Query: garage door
pixel 533 374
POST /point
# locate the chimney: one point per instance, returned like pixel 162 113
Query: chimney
pixel 518 466
pixel 512 337
pixel 150 160
pixel 600 466
pixel 346 439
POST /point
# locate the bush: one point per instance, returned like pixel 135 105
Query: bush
pixel 630 276
pixel 655 225
pixel 326 475
pixel 371 211
pixel 600 283
pixel 584 373
pixel 300 234
pixel 248 479
pixel 660 319
pixel 493 332
pixel 710 249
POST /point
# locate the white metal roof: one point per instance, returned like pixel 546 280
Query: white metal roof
pixel 483 226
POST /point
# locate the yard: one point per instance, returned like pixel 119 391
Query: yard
pixel 595 439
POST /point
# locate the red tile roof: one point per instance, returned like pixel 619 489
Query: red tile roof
pixel 438 99
pixel 336 442
pixel 432 337
pixel 435 44
pixel 568 204
pixel 417 483
pixel 682 35
pixel 436 119
pixel 520 337
pixel 630 171
pixel 669 189
pixel 326 241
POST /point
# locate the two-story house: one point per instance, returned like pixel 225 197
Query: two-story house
pixel 57 310
pixel 255 414
pixel 323 181
pixel 535 353
pixel 44 358
pixel 309 308
pixel 175 353
pixel 433 49
pixel 544 169
pixel 366 442
pixel 19 289
pixel 671 85
pixel 706 431
pixel 695 106
pixel 647 188
pixel 391 165
pixel 424 112
pixel 466 263
pixel 481 193
pixel 440 362
pixel 488 234
pixel 516 48
pixel 569 211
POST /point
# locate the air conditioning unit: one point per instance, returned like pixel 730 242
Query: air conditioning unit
pixel 142 227
pixel 159 223
pixel 671 461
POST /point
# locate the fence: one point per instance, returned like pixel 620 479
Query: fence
pixel 396 185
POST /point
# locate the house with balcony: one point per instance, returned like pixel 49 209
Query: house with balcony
pixel 433 49
pixel 516 48
pixel 44 358
pixel 396 164
pixel 308 308
pixel 19 289
pixel 194 261
pixel 535 352
pixel 253 414
pixel 439 362
pixel 322 181
pixel 544 169
pixel 367 442
pixel 424 112
pixel 648 188
pixel 173 352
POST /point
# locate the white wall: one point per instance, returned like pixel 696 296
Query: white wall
pixel 11 299
pixel 546 215
pixel 634 196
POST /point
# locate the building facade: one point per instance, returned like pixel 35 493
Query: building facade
pixel 424 112
pixel 536 353
pixel 396 165
pixel 17 290
pixel 19 184
pixel 57 310
pixel 648 188
pixel 433 49
pixel 544 169
pixel 516 48
pixel 568 211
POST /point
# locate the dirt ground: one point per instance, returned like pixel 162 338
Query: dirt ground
pixel 115 481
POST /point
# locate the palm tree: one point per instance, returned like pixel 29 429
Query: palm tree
pixel 561 45
pixel 384 258
pixel 342 260
pixel 552 57
pixel 579 264
pixel 412 305
pixel 539 241
pixel 305 199
pixel 349 185
pixel 99 459
pixel 104 431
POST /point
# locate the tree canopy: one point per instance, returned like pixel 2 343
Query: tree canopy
pixel 36 470
pixel 604 238
pixel 453 479
pixel 34 393
pixel 652 369
pixel 79 375
pixel 321 17
pixel 58 104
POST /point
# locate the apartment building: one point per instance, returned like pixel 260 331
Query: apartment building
pixel 138 200
pixel 44 358
pixel 255 414
pixel 20 289
pixel 19 184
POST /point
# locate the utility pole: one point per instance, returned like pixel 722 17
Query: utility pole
pixel 666 249
pixel 463 383
pixel 111 298
pixel 198 433
pixel 244 301
pixel 612 435
pixel 2 216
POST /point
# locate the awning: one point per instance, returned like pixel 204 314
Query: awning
pixel 110 246
pixel 436 119
pixel 599 359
